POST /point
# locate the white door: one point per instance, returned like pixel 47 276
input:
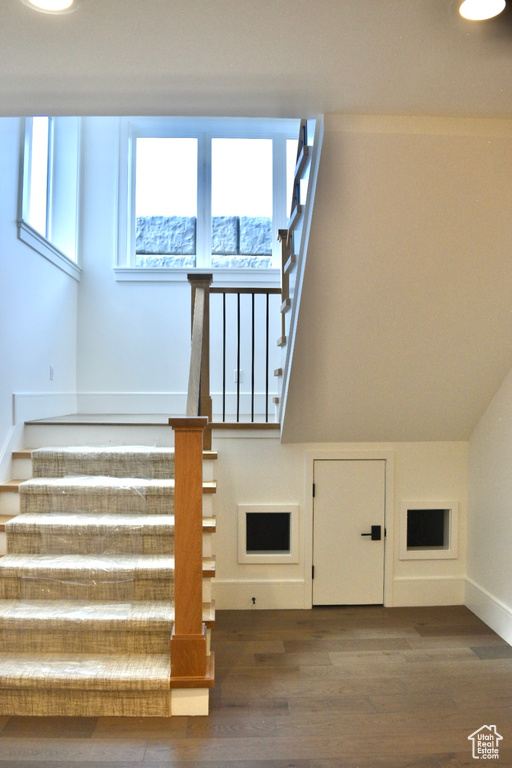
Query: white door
pixel 348 531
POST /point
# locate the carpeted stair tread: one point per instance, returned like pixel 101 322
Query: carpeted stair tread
pixel 72 613
pixel 101 566
pixel 85 671
pixel 119 461
pixel 56 614
pixel 100 533
pixel 100 521
pixel 97 494
pixel 34 521
pixel 118 566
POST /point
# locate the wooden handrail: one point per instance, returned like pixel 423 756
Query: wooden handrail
pixel 199 401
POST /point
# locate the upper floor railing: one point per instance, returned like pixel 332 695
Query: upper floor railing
pixel 233 327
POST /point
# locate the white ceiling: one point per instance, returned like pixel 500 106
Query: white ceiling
pixel 269 57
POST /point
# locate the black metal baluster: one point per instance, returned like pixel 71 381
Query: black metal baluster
pixel 238 361
pixel 267 360
pixel 223 357
pixel 252 360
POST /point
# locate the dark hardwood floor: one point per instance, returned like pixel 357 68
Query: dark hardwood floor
pixel 365 687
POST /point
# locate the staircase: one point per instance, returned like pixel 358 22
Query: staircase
pixel 87 584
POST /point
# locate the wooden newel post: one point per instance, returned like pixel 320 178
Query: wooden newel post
pixel 188 640
pixel 201 283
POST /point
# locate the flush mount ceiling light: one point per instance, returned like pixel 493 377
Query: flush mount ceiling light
pixel 480 10
pixel 52 6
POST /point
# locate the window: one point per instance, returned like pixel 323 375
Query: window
pixel 165 202
pixel 429 530
pixel 268 533
pixel 48 219
pixel 203 193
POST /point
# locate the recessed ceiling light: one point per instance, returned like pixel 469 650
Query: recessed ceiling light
pixel 480 10
pixel 52 6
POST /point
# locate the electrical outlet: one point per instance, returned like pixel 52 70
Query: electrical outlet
pixel 51 372
pixel 238 376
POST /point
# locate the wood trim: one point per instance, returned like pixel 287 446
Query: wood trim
pixel 294 218
pixel 248 425
pixel 206 681
pixel 217 289
pixel 290 264
pixel 187 423
pixel 302 161
pixel 188 641
pixel 10 486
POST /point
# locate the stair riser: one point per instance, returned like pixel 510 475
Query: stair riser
pixel 46 435
pixel 22 469
pixel 55 544
pixel 73 703
pixel 84 641
pixel 10 505
pixel 12 588
pixel 114 468
pixel 49 544
pixel 123 502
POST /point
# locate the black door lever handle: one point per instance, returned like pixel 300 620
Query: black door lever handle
pixel 376 533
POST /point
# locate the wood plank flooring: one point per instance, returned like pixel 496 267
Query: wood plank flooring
pixel 362 687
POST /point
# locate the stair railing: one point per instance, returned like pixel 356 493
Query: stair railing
pixel 199 400
pixel 191 666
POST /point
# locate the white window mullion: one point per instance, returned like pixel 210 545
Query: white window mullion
pixel 279 214
pixel 49 181
pixel 204 202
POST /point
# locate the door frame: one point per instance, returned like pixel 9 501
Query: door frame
pixel 340 455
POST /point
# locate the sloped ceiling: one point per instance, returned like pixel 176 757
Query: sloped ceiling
pixel 405 324
pixel 270 57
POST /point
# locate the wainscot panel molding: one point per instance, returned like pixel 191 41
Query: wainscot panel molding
pixel 238 594
pixel 428 590
pixel 28 406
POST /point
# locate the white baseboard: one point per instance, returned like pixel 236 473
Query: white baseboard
pixel 163 402
pixel 428 591
pixel 492 611
pixel 28 406
pixel 132 402
pixel 13 442
pixel 237 594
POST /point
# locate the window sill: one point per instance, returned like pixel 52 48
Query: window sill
pixel 260 278
pixel 38 243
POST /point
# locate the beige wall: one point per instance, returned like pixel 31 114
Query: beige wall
pixel 260 470
pixel 404 327
pixel 489 566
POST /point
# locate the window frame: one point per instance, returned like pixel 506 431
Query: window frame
pixel 204 130
pixel 38 241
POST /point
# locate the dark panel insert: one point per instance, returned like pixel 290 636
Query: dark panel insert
pixel 268 532
pixel 426 528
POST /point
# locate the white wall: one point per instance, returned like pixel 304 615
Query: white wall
pixel 133 337
pixel 489 566
pixel 261 470
pixel 38 304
